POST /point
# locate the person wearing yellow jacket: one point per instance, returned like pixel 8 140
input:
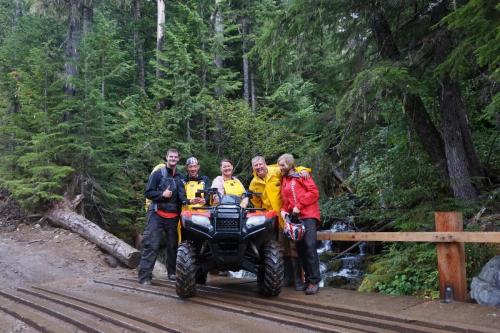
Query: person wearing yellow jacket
pixel 195 182
pixel 192 183
pixel 267 181
pixel 226 183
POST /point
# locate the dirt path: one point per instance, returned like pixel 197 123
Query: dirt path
pixel 32 254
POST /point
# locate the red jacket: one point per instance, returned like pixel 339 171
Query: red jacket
pixel 306 196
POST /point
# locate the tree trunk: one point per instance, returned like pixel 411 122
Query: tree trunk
pixel 218 60
pixel 429 136
pixel 246 80
pixel 138 45
pixel 413 106
pixel 204 130
pixel 63 215
pixel 87 16
pixel 15 106
pixel 460 177
pixel 246 75
pixel 71 48
pixel 445 42
pixel 188 130
pixel 475 167
pixel 387 47
pixel 160 40
pixel 219 42
pixel 160 35
pixel 252 90
pixel 18 13
pixel 463 162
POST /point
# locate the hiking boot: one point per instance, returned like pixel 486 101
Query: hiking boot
pixel 312 289
pixel 146 282
pixel 171 277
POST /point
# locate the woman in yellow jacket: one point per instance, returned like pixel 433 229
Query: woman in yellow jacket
pixel 228 184
pixel 267 181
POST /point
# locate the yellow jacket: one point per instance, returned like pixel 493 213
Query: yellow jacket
pixel 270 187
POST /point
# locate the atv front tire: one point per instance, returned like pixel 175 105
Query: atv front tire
pixel 270 277
pixel 186 268
pixel 201 277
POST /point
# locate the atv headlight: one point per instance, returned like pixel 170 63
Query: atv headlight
pixel 202 221
pixel 255 221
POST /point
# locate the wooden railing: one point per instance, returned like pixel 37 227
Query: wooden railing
pixel 450 239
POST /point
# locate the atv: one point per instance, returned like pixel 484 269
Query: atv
pixel 228 237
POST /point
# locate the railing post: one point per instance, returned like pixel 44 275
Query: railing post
pixel 451 256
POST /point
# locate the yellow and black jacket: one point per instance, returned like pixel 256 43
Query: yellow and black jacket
pixel 192 185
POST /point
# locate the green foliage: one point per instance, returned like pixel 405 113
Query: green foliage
pixel 477 255
pixel 322 90
pixel 29 65
pixel 374 85
pixel 339 207
pixel 478 22
pixel 404 270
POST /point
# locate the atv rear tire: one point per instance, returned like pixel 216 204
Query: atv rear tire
pixel 186 268
pixel 270 277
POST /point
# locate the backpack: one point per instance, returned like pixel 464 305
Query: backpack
pixel 166 181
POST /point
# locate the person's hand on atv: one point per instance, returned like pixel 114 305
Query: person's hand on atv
pixel 244 203
pixel 197 201
pixel 215 199
pixel 296 210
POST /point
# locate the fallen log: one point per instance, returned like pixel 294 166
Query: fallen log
pixel 63 214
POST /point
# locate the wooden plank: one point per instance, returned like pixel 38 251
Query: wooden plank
pixel 430 237
pixel 451 257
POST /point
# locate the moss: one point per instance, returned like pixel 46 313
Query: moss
pixel 334 265
pixel 327 256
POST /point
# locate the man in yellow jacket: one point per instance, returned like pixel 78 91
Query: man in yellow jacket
pixel 267 181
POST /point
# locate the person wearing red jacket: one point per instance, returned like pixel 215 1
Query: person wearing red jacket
pixel 300 197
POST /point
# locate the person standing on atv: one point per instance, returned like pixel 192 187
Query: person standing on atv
pixel 267 181
pixel 227 184
pixel 300 197
pixel 165 189
pixel 194 183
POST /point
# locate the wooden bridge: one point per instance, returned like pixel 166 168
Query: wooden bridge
pixel 120 304
pixel 117 303
pixel 449 238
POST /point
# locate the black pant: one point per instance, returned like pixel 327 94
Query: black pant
pixel 152 237
pixel 307 252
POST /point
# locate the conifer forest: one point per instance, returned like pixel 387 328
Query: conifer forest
pixel 394 105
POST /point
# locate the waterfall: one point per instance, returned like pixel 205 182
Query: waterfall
pixel 344 271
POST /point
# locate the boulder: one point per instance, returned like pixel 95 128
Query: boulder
pixel 485 288
pixel 334 265
pixel 336 281
pixel 326 256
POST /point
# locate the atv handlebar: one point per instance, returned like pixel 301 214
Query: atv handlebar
pixel 214 191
